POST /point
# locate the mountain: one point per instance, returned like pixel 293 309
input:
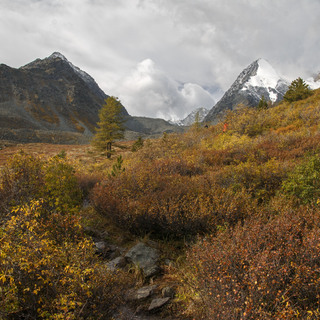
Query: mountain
pixel 314 82
pixel 51 100
pixel 191 118
pixel 48 100
pixel 143 126
pixel 257 80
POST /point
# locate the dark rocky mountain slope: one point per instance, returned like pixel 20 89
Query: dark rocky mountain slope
pixel 51 100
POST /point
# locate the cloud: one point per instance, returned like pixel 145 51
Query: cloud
pixel 232 34
pixel 148 91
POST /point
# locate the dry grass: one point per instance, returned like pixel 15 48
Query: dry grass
pixel 83 154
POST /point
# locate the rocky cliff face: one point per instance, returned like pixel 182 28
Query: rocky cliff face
pixel 257 80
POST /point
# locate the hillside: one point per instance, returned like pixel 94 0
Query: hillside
pixel 228 216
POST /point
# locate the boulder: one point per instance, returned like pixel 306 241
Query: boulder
pixel 106 251
pixel 167 292
pixel 144 257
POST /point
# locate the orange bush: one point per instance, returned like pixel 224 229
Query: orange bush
pixel 148 202
pixel 261 270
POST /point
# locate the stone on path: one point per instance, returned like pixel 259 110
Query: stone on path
pixel 158 303
pixel 144 257
pixel 141 293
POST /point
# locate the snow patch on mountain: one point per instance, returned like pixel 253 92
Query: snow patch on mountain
pixel 265 77
pixel 314 82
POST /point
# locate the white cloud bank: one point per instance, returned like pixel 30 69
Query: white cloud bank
pixel 148 91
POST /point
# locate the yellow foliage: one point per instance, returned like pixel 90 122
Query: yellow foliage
pixel 49 267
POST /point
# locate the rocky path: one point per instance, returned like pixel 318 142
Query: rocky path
pixel 144 302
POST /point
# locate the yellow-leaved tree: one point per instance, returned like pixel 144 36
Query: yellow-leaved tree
pixel 110 126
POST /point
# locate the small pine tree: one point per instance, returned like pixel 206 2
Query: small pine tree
pixel 110 126
pixel 137 145
pixel 117 168
pixel 263 104
pixel 298 90
pixel 196 125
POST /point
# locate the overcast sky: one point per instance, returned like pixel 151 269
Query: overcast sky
pixel 164 58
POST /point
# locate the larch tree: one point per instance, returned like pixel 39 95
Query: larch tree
pixel 110 127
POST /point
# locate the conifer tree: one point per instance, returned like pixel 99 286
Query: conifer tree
pixel 298 90
pixel 196 124
pixel 263 104
pixel 110 126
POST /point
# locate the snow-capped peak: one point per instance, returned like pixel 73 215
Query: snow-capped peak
pixel 257 80
pixel 265 76
pixel 314 82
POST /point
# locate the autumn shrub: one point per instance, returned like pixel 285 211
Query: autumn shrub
pixel 177 165
pixel 303 182
pixel 262 180
pixel 137 145
pixel 26 177
pixel 261 270
pixel 219 158
pixel 61 188
pixel 249 121
pixel 49 269
pixel 21 181
pixel 172 205
pixel 87 181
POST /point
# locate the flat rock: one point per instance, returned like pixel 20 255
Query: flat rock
pixel 158 303
pixel 141 293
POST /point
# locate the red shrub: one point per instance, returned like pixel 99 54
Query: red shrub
pixel 175 205
pixel 261 270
